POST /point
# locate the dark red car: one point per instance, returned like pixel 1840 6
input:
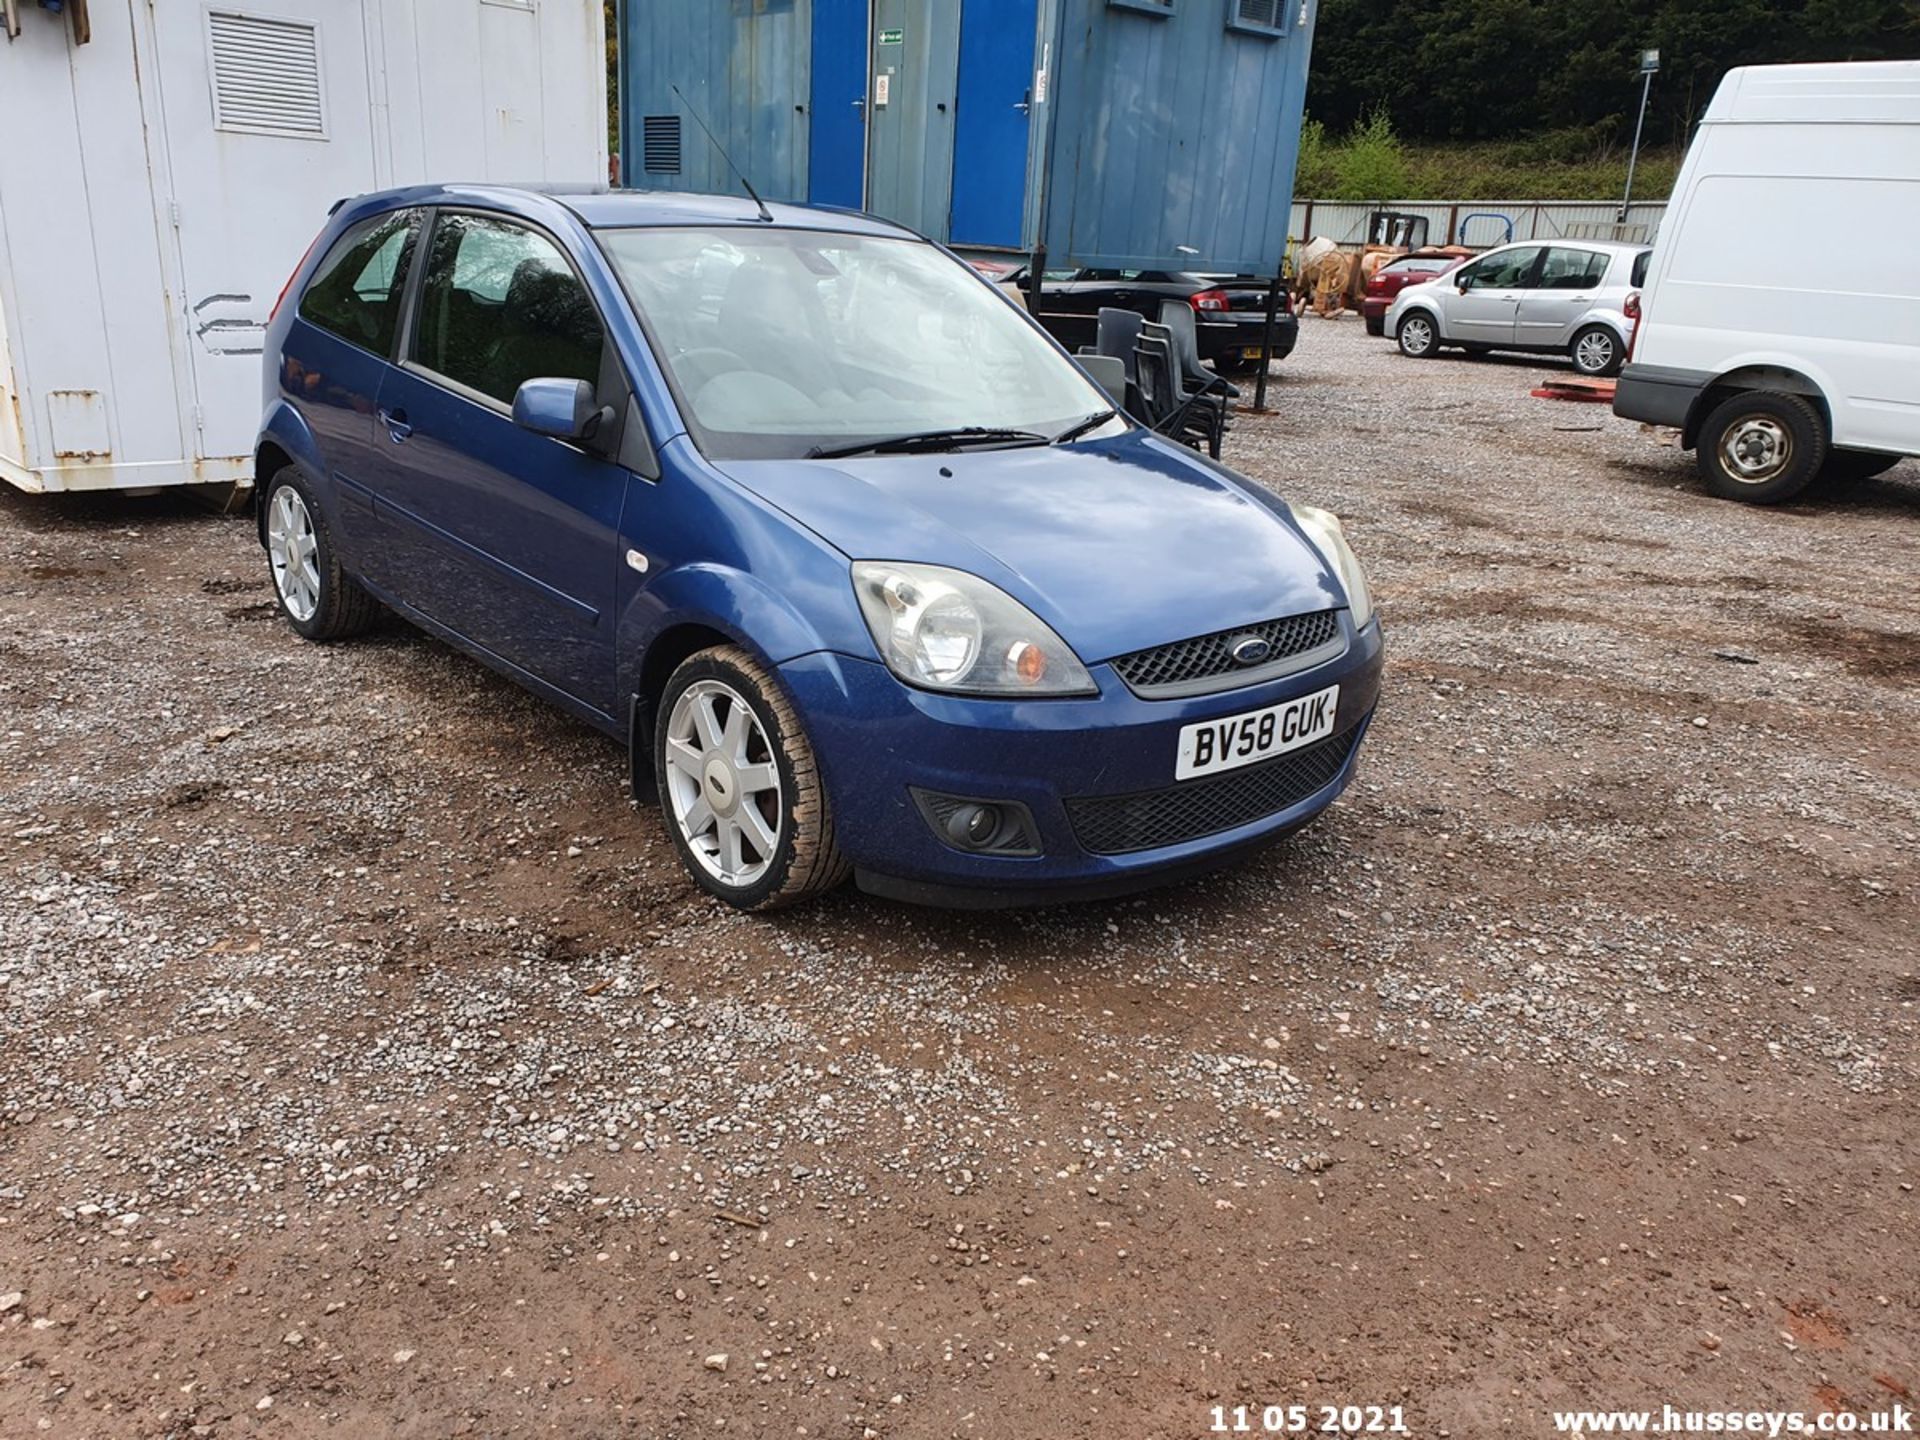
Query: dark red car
pixel 1393 277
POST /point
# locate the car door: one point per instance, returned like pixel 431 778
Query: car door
pixel 1560 293
pixel 509 538
pixel 1483 308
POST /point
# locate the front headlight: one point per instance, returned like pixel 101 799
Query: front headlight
pixel 1324 530
pixel 944 629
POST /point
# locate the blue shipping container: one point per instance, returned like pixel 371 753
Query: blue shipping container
pixel 1150 134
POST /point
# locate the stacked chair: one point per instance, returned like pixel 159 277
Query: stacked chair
pixel 1168 389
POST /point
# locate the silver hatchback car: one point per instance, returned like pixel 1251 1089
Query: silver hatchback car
pixel 1568 298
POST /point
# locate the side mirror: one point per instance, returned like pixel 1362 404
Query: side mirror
pixel 1463 283
pixel 564 409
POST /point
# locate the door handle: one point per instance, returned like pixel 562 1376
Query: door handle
pixel 1023 107
pixel 396 422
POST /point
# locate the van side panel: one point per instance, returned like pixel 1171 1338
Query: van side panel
pixel 1782 251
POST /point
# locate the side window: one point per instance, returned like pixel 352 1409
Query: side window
pixel 355 293
pixel 1572 269
pixel 1506 270
pixel 501 306
pixel 1640 263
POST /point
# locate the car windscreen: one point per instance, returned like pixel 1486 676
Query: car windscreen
pixel 780 341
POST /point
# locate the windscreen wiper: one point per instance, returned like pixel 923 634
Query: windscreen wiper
pixel 1092 422
pixel 924 440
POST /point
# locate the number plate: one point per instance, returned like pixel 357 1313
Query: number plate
pixel 1251 352
pixel 1226 744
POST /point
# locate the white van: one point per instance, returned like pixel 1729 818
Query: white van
pixel 1780 323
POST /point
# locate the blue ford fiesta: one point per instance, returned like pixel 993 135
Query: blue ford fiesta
pixel 864 568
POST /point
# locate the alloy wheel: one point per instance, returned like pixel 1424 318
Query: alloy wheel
pixel 1594 353
pixel 723 783
pixel 293 553
pixel 1416 335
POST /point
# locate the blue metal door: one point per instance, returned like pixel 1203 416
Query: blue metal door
pixel 990 130
pixel 837 138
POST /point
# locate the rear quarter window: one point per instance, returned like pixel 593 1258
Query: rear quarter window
pixel 355 292
pixel 1640 263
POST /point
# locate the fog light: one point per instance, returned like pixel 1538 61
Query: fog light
pixel 973 826
pixel 979 827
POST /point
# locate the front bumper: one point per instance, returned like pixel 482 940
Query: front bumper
pixel 874 737
pixel 1658 394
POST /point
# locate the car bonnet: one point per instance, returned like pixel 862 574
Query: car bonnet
pixel 1117 544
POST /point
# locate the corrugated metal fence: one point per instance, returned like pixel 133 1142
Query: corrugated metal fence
pixel 1481 223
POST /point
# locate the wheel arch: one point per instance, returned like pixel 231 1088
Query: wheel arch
pixel 1764 376
pixel 1420 307
pixel 690 609
pixel 284 440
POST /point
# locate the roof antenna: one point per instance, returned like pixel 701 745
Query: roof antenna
pixel 745 184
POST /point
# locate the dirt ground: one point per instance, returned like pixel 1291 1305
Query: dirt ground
pixel 368 1067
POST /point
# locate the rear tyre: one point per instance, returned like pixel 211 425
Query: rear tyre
pixel 1595 351
pixel 320 600
pixel 1847 466
pixel 1376 325
pixel 739 784
pixel 1418 339
pixel 1761 446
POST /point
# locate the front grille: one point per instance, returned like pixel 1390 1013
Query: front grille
pixel 1149 819
pixel 1205 663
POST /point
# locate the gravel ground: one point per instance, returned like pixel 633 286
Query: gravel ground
pixel 367 1063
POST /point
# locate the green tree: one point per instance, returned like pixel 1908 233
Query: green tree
pixel 1371 164
pixel 1456 70
pixel 1314 172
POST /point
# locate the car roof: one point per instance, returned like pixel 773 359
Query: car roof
pixel 1612 247
pixel 603 207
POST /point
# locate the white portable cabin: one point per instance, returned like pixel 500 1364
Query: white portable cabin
pixel 165 163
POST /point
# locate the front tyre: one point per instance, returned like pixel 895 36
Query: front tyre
pixel 1761 446
pixel 320 600
pixel 1595 351
pixel 739 784
pixel 1418 339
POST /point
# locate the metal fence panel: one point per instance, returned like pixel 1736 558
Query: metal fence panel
pixel 1482 223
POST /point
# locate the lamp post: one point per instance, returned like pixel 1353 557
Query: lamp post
pixel 1649 63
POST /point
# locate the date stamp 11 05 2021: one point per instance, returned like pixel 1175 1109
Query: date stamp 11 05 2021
pixel 1307 1420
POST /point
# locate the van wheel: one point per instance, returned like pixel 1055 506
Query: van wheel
pixel 1596 351
pixel 1761 446
pixel 1418 339
pixel 742 793
pixel 320 600
pixel 1847 466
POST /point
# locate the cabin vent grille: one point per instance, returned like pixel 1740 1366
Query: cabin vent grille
pixel 266 75
pixel 660 144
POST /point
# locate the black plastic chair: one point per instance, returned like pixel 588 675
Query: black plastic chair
pixel 1160 397
pixel 1177 316
pixel 1117 332
pixel 1193 418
